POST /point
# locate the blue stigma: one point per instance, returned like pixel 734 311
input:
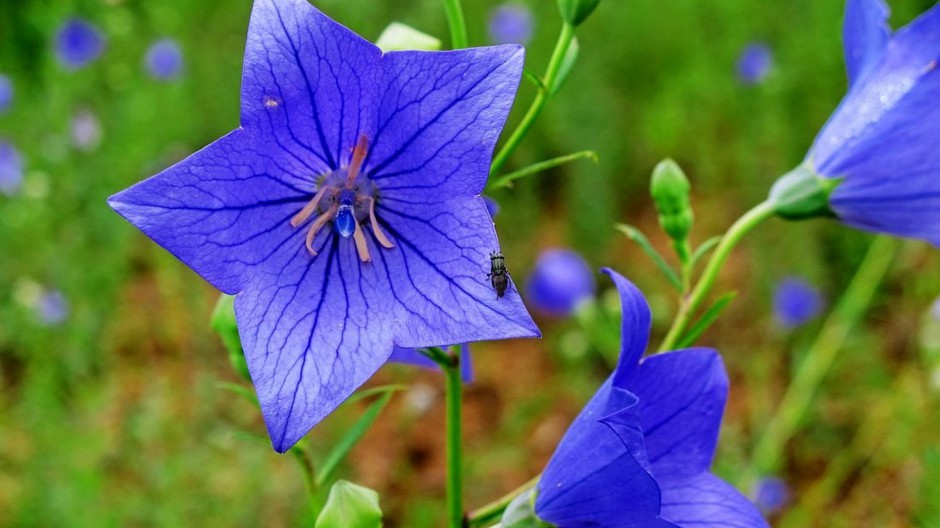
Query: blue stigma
pixel 345 218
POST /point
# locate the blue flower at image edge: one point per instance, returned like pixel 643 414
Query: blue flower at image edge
pixel 755 63
pixel 796 302
pixel 560 280
pixel 345 212
pixel 6 93
pixel 771 494
pixel 78 43
pixel 164 60
pixel 881 142
pixel 639 454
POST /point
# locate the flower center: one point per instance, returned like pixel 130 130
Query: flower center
pixel 347 198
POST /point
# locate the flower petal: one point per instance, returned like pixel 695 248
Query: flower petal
pixel 313 331
pixel 704 501
pixel 682 398
pixel 309 84
pixel 222 211
pixel 865 35
pixel 593 479
pixel 440 117
pixel 437 275
pixel 634 327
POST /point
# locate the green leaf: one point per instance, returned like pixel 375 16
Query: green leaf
pixel 223 322
pixel 507 179
pixel 567 63
pixel 635 235
pixel 351 438
pixel 706 320
pixel 703 250
pixel 381 389
pixel 533 78
pixel 242 391
pixel 399 37
pixel 350 506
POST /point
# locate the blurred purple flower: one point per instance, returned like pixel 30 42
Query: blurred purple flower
pixel 796 302
pixel 411 356
pixel 78 43
pixel 6 93
pixel 85 130
pixel 344 212
pixel 560 280
pixel 11 169
pixel 52 308
pixel 881 142
pixel 510 24
pixel 492 206
pixel 771 495
pixel 755 63
pixel 935 309
pixel 164 60
pixel 640 452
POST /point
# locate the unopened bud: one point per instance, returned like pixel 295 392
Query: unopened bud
pixel 576 11
pixel 670 190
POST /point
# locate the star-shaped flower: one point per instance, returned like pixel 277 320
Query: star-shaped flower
pixel 639 454
pixel 345 212
pixel 877 156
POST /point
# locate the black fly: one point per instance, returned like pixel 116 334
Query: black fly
pixel 498 275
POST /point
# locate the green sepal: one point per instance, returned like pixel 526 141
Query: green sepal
pixel 670 190
pixel 521 513
pixel 401 37
pixel 353 436
pixel 637 236
pixel 576 11
pixel 802 193
pixel 350 506
pixel 223 322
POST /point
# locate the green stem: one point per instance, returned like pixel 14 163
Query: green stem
pixel 554 66
pixel 729 240
pixel 310 482
pixel 454 389
pixel 507 179
pixel 456 23
pixel 492 511
pixel 799 395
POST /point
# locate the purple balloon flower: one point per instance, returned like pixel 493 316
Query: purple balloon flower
pixel 880 145
pixel 11 169
pixel 560 280
pixel 410 356
pixel 345 211
pixel 771 495
pixel 510 24
pixel 6 93
pixel 796 302
pixel 755 63
pixel 639 453
pixel 164 60
pixel 78 43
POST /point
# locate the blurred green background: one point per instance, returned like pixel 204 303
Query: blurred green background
pixel 114 416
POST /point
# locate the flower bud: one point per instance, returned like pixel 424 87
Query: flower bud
pixel 670 191
pixel 399 37
pixel 576 11
pixel 352 506
pixel 801 193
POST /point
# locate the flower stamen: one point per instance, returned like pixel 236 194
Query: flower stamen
pixel 359 156
pixel 308 209
pixel 379 234
pixel 361 247
pixel 317 225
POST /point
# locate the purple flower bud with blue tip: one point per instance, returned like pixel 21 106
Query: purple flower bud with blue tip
pixel 796 302
pixel 410 356
pixel 6 93
pixel 640 453
pixel 164 60
pixel 771 495
pixel 335 137
pixel 11 169
pixel 561 279
pixel 78 43
pixel 755 63
pixel 511 24
pixel 875 165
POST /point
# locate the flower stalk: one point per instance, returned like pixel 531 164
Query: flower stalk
pixel 729 241
pixel 453 394
pixel 456 23
pixel 565 39
pixel 853 304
